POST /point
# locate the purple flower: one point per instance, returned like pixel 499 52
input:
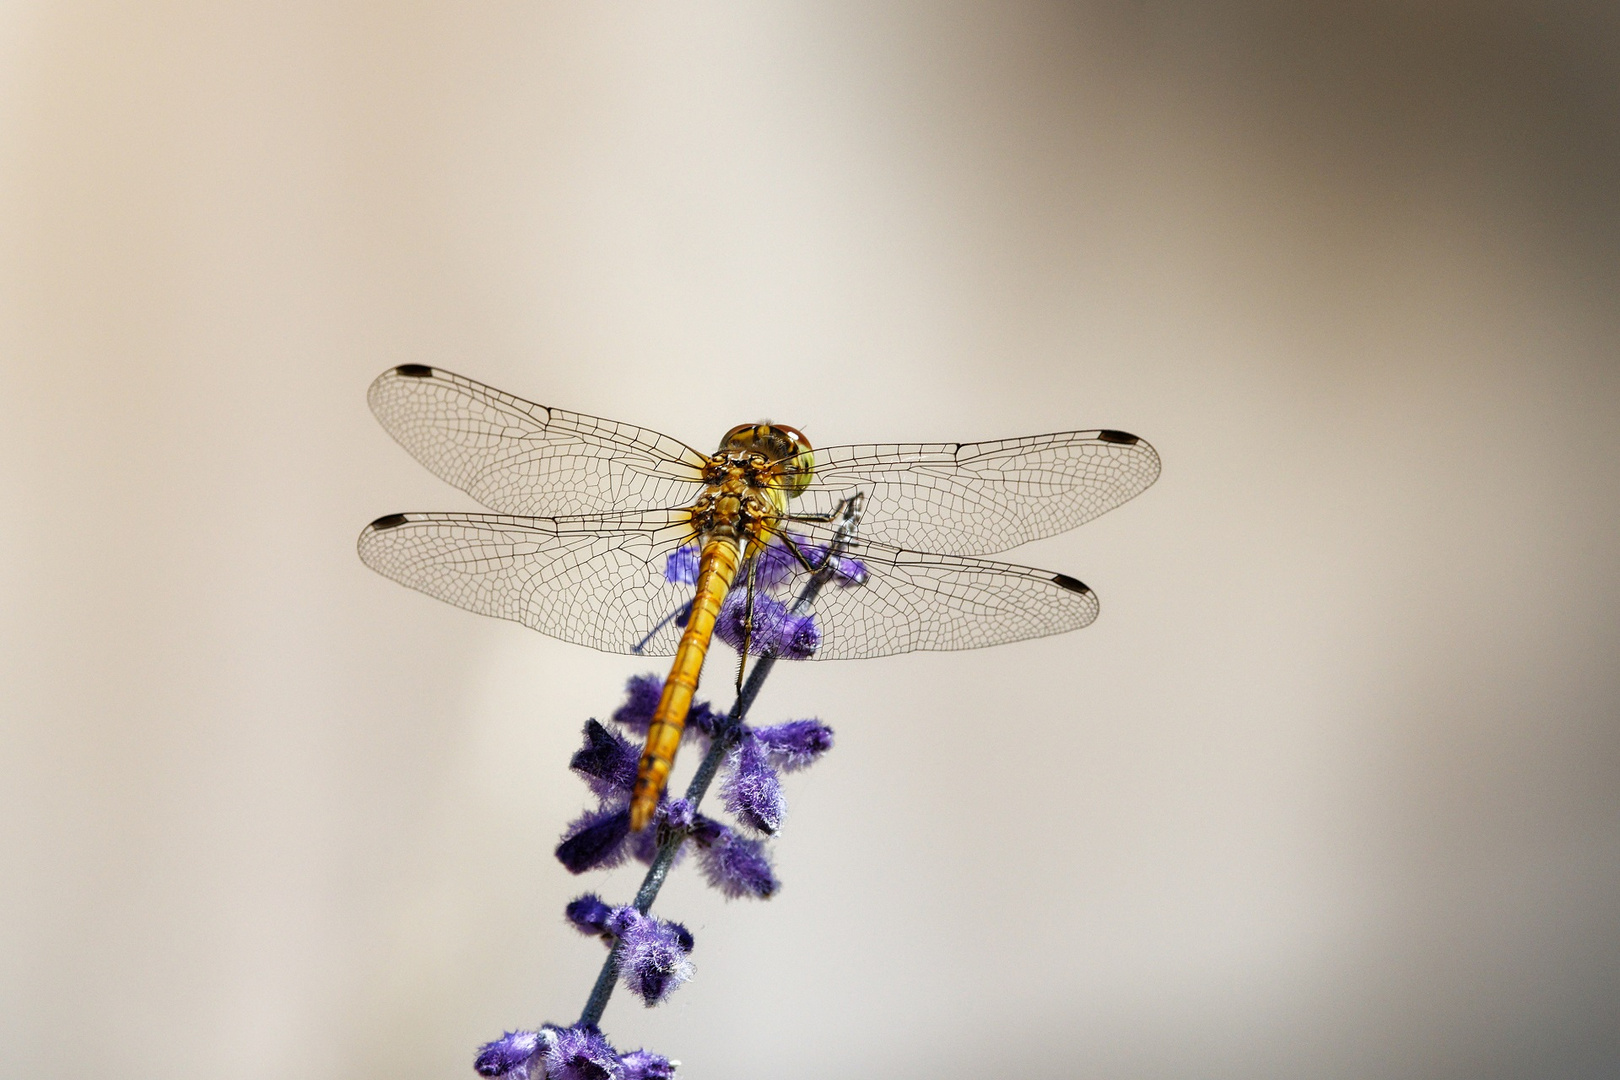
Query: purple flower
pixel 703 720
pixel 642 1065
pixel 607 761
pixel 774 565
pixel 795 744
pixel 581 1053
pixel 751 789
pixel 572 1053
pixel 706 830
pixel 595 839
pixel 672 814
pixel 777 631
pixel 678 814
pixel 653 954
pixel 590 915
pixel 512 1055
pixel 849 572
pixel 650 956
pixel 846 571
pixel 644 846
pixel 681 568
pixel 641 699
pixel 777 563
pixel 736 865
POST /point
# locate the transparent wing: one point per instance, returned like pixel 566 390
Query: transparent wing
pixel 520 458
pixel 887 600
pixel 594 580
pixel 980 498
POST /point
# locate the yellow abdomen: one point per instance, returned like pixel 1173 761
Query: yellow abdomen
pixel 717 568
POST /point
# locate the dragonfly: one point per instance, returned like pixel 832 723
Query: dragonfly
pixel 617 537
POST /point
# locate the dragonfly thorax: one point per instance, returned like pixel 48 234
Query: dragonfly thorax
pixel 740 505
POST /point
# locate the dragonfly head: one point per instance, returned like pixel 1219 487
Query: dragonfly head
pixel 790 459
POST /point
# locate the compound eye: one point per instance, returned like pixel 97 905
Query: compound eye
pixel 799 441
pixel 799 464
pixel 738 438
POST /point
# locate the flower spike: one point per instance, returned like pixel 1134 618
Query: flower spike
pixel 648 955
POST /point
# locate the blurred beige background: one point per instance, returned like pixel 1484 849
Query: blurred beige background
pixel 1332 789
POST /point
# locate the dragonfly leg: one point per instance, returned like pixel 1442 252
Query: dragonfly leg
pixel 797 553
pixel 849 511
pixel 747 624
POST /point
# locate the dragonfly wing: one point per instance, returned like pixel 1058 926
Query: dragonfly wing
pixel 593 580
pixel 892 600
pixel 520 458
pixel 980 498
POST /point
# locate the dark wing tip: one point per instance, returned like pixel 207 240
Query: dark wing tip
pixel 388 521
pixel 1070 583
pixel 1125 438
pixel 414 371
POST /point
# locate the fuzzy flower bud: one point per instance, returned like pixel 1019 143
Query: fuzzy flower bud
pixel 678 814
pixel 514 1055
pixel 751 789
pixel 607 761
pixel 776 631
pixel 590 915
pixel 581 1053
pixel 595 839
pixel 795 744
pixel 641 699
pixel 734 864
pixel 681 568
pixel 644 1065
pixel 653 954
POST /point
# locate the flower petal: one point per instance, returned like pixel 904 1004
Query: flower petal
pixel 595 839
